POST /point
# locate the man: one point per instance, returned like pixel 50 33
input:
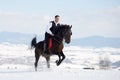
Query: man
pixel 50 32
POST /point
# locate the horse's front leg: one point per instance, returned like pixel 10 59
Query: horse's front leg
pixel 58 61
pixel 63 57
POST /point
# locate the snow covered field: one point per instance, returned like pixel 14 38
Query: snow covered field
pixel 16 63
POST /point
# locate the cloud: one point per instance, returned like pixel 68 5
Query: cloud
pixel 20 22
pixel 105 22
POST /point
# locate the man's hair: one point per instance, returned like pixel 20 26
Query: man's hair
pixel 57 16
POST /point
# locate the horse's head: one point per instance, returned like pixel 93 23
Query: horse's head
pixel 66 32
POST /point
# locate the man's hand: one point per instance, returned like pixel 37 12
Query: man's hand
pixel 52 34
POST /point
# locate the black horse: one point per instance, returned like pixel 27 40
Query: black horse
pixel 63 33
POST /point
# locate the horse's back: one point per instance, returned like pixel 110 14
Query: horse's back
pixel 40 45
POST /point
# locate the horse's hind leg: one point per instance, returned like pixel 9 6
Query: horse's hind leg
pixel 37 56
pixel 48 61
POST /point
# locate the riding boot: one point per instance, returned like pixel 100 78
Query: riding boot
pixel 46 43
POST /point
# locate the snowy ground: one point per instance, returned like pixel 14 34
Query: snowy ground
pixel 16 63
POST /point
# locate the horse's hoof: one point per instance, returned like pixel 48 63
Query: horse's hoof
pixel 48 67
pixel 35 69
pixel 56 61
pixel 58 64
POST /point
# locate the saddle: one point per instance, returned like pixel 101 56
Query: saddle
pixel 50 43
pixel 55 39
pixel 52 46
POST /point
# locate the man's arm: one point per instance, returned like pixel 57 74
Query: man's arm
pixel 48 29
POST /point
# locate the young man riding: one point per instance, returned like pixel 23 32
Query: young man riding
pixel 50 32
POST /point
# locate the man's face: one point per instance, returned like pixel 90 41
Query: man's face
pixel 57 19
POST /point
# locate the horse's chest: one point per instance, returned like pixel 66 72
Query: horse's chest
pixel 56 48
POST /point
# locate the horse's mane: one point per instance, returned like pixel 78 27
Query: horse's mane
pixel 64 26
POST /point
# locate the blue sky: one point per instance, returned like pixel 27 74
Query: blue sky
pixel 41 6
pixel 88 17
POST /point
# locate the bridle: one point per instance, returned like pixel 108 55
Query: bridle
pixel 61 38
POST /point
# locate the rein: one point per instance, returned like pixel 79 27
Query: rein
pixel 59 41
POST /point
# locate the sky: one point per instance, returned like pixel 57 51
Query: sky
pixel 87 17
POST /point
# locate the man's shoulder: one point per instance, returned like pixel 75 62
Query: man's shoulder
pixel 51 21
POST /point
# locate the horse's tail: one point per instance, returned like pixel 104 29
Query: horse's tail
pixel 33 43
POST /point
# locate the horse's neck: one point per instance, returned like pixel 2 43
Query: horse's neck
pixel 59 35
pixel 58 39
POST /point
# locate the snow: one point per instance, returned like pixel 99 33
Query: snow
pixel 62 75
pixel 17 63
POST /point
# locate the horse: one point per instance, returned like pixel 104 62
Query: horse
pixel 63 34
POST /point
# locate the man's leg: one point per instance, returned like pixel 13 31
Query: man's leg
pixel 46 42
